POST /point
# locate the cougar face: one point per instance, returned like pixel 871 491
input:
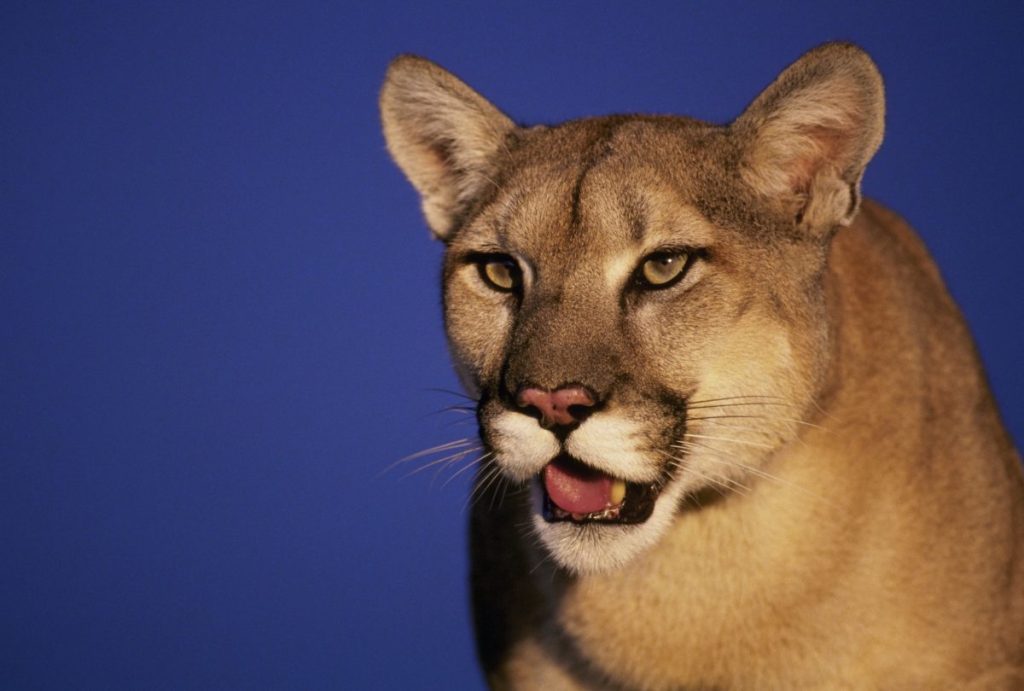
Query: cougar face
pixel 617 288
pixel 597 272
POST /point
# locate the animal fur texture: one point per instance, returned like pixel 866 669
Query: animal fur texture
pixel 775 364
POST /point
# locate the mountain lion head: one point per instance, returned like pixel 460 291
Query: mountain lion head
pixel 622 293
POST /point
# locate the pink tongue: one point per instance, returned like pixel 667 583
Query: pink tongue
pixel 577 489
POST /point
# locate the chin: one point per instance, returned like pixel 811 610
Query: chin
pixel 592 547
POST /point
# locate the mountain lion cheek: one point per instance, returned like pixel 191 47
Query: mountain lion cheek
pixel 477 336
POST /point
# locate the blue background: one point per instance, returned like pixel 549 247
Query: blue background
pixel 220 319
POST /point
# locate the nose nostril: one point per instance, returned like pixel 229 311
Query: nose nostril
pixel 536 413
pixel 580 412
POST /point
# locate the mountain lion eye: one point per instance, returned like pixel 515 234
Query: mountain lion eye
pixel 661 270
pixel 500 273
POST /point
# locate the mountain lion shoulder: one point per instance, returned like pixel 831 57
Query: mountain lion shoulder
pixel 739 432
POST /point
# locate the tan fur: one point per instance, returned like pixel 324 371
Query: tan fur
pixel 843 508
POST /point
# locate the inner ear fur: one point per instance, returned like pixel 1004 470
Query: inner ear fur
pixel 808 137
pixel 443 135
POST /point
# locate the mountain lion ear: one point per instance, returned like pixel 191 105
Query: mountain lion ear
pixel 807 138
pixel 443 135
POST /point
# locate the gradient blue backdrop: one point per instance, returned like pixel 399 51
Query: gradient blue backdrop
pixel 220 320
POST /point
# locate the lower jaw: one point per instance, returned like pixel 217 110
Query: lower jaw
pixel 589 548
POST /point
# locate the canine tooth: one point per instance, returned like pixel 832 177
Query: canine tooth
pixel 618 492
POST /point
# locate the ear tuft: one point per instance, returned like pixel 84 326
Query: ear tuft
pixel 808 137
pixel 443 135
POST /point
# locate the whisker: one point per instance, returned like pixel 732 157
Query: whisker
pixel 484 473
pixel 759 417
pixel 509 489
pixel 717 483
pixel 728 439
pixel 478 493
pixel 493 483
pixel 460 409
pixel 466 441
pixel 450 392
pixel 743 466
pixel 760 472
pixel 735 398
pixel 471 463
pixel 500 487
pixel 545 556
pixel 479 461
pixel 769 404
pixel 460 423
pixel 447 460
pixel 458 444
pixel 725 425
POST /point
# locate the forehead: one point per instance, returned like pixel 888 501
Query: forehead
pixel 597 186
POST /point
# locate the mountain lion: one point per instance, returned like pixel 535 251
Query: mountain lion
pixel 735 428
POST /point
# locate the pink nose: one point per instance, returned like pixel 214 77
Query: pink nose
pixel 565 406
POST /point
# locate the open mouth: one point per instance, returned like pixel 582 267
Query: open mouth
pixel 578 493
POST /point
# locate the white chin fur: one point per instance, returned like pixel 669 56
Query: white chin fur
pixel 596 548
